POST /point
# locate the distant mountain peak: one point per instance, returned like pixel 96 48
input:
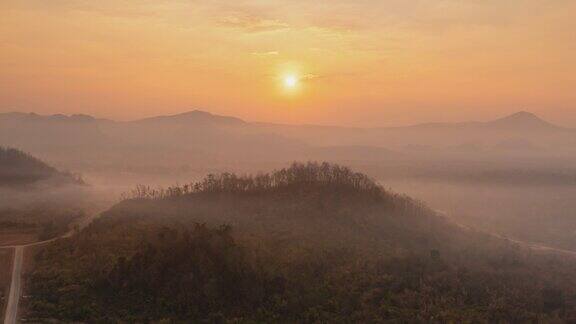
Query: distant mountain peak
pixel 194 113
pixel 522 115
pixel 522 119
pixel 42 118
pixel 196 116
pixel 197 112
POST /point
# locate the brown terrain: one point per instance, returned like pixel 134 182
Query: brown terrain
pixel 28 268
pixel 10 237
pixel 5 273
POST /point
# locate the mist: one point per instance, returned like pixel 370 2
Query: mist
pixel 283 216
pixel 240 162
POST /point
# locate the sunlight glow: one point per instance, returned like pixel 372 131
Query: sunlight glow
pixel 290 81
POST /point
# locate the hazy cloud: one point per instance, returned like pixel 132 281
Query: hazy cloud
pixel 265 54
pixel 253 24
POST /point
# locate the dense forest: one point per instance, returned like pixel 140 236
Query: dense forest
pixel 18 168
pixel 312 243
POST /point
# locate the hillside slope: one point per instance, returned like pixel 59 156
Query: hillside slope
pixel 19 168
pixel 310 243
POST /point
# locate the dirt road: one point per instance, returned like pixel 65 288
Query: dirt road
pixel 11 314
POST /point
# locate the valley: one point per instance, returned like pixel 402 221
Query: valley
pixel 287 162
pixel 311 242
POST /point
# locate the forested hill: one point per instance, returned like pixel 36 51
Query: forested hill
pixel 309 203
pixel 307 244
pixel 19 168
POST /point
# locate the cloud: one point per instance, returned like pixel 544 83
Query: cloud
pixel 266 54
pixel 253 24
pixel 309 77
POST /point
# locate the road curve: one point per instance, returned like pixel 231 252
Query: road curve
pixel 11 315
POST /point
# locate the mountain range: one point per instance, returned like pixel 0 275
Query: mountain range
pixel 201 137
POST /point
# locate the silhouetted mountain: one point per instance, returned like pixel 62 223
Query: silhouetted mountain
pixel 518 121
pixel 41 133
pixel 18 168
pixel 191 137
pixel 522 121
pixel 441 138
pixel 194 117
pixel 17 116
pixel 198 137
pixel 204 136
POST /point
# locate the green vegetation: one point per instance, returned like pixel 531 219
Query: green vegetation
pixel 313 243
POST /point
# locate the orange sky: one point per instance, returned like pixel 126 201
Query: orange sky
pixel 362 62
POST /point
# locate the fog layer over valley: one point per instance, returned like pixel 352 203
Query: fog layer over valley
pixel 282 161
pixel 530 212
pixel 509 159
pixel 37 201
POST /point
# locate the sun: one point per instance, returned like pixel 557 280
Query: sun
pixel 290 81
